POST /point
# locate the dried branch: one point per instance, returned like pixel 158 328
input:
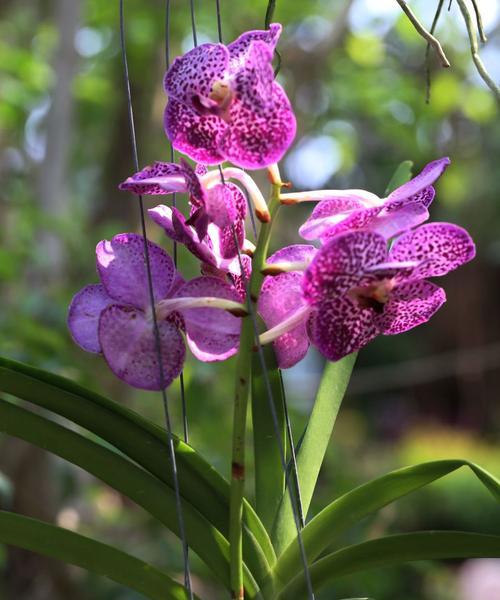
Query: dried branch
pixel 479 21
pixel 427 53
pixel 475 49
pixel 434 42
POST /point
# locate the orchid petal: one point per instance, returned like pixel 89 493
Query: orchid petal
pixel 158 178
pixel 294 253
pixel 122 269
pixel 83 316
pixel 191 77
pixel 129 347
pixel 212 333
pixel 439 247
pixel 410 304
pixel 279 298
pixel 238 49
pixel 194 134
pixel 338 265
pixel 339 326
pixel 425 178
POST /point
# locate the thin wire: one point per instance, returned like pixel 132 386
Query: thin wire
pixel 193 24
pixel 133 140
pixel 185 428
pixel 293 459
pixel 219 20
pixel 269 392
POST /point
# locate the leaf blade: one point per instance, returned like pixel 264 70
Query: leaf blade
pixel 76 549
pixel 394 550
pixel 314 444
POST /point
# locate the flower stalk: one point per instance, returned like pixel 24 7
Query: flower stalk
pixel 241 397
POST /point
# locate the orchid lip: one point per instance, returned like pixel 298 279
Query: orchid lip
pixel 168 306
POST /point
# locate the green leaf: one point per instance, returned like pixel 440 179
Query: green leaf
pixel 353 506
pixel 126 477
pixel 269 474
pixel 76 549
pixel 146 444
pixel 395 550
pixel 401 175
pixel 314 444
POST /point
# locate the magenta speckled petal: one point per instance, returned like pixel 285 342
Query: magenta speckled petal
pixel 338 327
pixel 212 333
pixel 260 137
pixel 226 239
pixel 390 223
pixel 158 178
pixel 425 178
pixel 293 253
pixel 220 204
pixel 83 316
pixel 194 134
pixel 280 297
pixel 441 247
pixel 188 236
pixel 192 76
pixel 328 213
pixel 410 304
pixel 239 48
pixel 122 269
pixel 129 347
pixel 363 219
pixel 425 197
pixel 339 264
pixel 197 195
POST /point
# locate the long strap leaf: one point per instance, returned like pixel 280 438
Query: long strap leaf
pixel 269 474
pixel 126 477
pixel 89 554
pixel 395 550
pixel 314 444
pixel 353 506
pixel 145 443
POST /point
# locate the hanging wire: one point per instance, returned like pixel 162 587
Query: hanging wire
pixel 294 500
pixel 185 429
pixel 133 140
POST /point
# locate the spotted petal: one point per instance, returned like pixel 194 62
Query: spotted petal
pixel 212 333
pixel 129 347
pixel 339 326
pixel 294 253
pixel 238 49
pixel 259 136
pixel 328 213
pixel 439 247
pixel 392 222
pixel 194 134
pixel 158 178
pixel 122 268
pixel 425 178
pixel 410 304
pixel 280 297
pixel 192 76
pixel 83 316
pixel 339 264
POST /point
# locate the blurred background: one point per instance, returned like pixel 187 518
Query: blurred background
pixel 355 72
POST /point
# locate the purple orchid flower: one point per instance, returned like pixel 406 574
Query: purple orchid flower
pixel 349 210
pixel 225 105
pixel 114 317
pixel 222 204
pixel 357 289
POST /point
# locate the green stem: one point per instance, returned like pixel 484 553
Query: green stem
pixel 242 393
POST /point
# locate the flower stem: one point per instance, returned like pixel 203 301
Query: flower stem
pixel 242 393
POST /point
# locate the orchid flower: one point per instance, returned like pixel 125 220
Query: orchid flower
pixel 114 317
pixel 225 105
pixel 339 211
